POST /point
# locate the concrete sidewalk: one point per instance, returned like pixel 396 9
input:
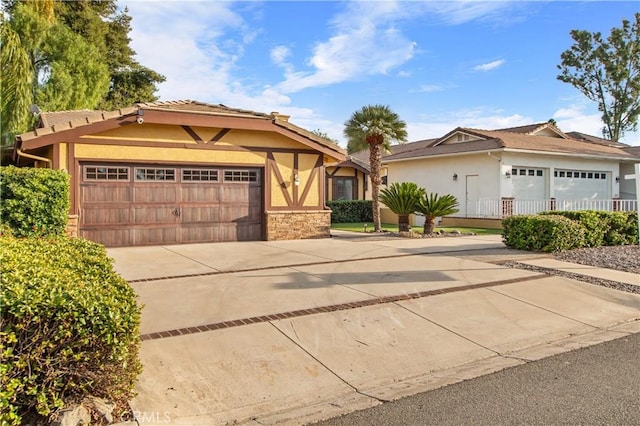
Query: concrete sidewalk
pixel 296 331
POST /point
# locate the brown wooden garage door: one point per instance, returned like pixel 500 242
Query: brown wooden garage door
pixel 130 205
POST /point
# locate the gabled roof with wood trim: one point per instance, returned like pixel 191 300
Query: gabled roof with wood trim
pixel 540 129
pixel 363 155
pixel 59 126
pixel 595 139
pixel 523 139
pixel 353 162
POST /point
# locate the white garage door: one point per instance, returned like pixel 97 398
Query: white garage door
pixel 529 183
pixel 581 185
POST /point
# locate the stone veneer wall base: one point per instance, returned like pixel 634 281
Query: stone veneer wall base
pixel 298 225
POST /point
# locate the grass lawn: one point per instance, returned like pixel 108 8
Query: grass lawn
pixel 391 227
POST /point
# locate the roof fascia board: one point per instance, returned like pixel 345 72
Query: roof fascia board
pixel 75 132
pixel 308 142
pixel 568 154
pixel 349 163
pixel 454 154
pixel 190 118
pixel 463 131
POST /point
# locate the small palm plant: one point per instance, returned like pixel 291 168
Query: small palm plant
pixel 402 199
pixel 432 206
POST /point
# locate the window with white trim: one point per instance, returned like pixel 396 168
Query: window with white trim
pixel 578 174
pixel 517 171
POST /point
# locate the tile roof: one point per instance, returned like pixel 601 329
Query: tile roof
pixel 200 107
pixel 529 128
pixel 595 139
pixel 355 162
pixel 510 140
pixel 632 150
pixel 58 121
pixel 396 149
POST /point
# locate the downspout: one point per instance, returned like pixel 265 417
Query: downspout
pixel 33 157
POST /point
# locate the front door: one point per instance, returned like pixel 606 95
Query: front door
pixel 471 198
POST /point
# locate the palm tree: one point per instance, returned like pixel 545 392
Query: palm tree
pixel 402 199
pixel 374 127
pixel 432 206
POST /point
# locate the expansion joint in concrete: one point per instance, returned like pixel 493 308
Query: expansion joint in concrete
pixel 325 366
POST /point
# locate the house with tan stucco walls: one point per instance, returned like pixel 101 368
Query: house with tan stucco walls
pixel 185 172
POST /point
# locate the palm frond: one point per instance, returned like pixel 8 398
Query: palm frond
pixel 433 205
pixel 402 198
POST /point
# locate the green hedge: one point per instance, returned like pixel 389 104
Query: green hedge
pixel 69 327
pixel 35 202
pixel 604 227
pixel 542 233
pixel 354 211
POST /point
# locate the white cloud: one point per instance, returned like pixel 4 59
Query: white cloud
pixel 198 49
pixel 434 126
pixel 490 65
pixel 279 54
pixel 461 12
pixel 429 88
pixel 576 117
pixel 365 42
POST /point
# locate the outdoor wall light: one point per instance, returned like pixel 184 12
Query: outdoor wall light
pixel 296 179
pixel 617 179
pixel 455 176
pixel 507 174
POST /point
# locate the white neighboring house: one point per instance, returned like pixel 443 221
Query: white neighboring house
pixel 520 170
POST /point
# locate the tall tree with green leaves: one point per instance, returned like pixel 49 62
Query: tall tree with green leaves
pixel 607 71
pixel 100 24
pixel 67 55
pixel 374 127
pixel 44 63
pixel 324 135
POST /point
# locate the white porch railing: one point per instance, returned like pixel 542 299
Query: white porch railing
pixel 508 207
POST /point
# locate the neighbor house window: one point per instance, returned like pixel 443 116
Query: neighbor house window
pixel 344 188
pixel 577 174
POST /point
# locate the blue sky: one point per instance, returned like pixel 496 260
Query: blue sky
pixel 439 65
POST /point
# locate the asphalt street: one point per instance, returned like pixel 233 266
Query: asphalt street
pixel 596 385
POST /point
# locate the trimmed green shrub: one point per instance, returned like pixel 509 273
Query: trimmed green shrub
pixel 35 202
pixel 604 227
pixel 622 228
pixel 69 327
pixel 345 211
pixel 595 228
pixel 542 233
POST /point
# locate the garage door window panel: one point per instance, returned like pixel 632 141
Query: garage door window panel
pixel 155 174
pixel 105 173
pixel 199 175
pixel 240 176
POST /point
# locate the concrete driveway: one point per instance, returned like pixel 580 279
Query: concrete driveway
pixel 291 332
